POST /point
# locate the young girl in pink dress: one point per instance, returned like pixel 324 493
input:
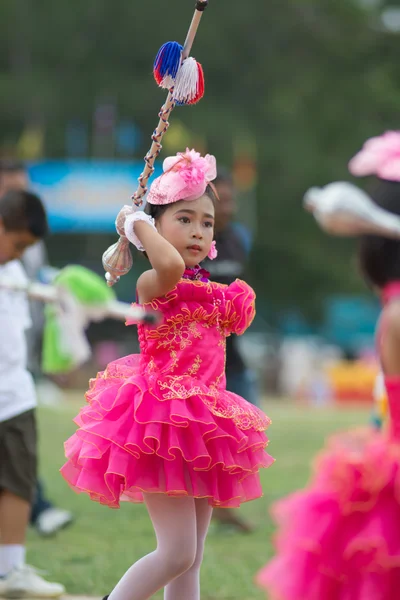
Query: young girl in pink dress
pixel 339 539
pixel 160 427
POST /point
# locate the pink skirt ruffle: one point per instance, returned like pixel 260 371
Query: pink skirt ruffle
pixel 340 538
pixel 132 438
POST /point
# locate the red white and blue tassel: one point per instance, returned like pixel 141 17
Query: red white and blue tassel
pixel 189 82
pixel 184 79
pixel 167 63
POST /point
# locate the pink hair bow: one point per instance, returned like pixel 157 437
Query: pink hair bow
pixel 186 177
pixel 379 156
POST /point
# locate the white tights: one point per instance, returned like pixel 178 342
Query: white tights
pixel 181 526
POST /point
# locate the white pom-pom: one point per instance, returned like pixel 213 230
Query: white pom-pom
pixel 186 83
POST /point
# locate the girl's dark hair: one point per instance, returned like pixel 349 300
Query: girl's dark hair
pixel 379 257
pixel 11 166
pixel 155 210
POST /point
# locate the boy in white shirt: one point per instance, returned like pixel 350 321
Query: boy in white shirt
pixel 22 223
pixel 45 517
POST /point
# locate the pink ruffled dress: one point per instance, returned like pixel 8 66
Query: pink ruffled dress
pixel 339 539
pixel 162 421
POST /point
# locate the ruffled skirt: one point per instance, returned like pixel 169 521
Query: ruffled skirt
pixel 140 433
pixel 339 539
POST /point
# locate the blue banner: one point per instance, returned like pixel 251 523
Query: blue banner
pixel 85 196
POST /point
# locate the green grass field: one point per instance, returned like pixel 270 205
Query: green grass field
pixel 90 556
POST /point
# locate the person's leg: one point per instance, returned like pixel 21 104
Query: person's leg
pixel 253 388
pixel 40 503
pixel 174 521
pixel 187 586
pixel 17 485
pixel 47 518
pixel 243 384
pixel 17 482
pixel 227 517
pixel 14 519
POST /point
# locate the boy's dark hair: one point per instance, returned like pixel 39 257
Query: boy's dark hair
pixel 23 211
pixel 156 210
pixel 379 257
pixel 9 165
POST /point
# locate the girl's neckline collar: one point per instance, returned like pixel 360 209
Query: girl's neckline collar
pixel 197 273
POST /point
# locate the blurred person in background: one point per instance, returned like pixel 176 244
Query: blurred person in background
pixel 339 537
pixel 45 517
pixel 22 223
pixel 233 242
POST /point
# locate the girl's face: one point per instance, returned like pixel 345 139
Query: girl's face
pixel 189 227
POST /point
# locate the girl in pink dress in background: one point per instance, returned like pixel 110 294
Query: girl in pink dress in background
pixel 160 427
pixel 339 539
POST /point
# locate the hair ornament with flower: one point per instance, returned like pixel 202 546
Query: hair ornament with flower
pixel 186 177
pixel 380 156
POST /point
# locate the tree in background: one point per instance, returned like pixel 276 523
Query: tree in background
pixel 307 80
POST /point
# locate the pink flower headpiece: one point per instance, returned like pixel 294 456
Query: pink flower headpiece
pixel 379 156
pixel 185 177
